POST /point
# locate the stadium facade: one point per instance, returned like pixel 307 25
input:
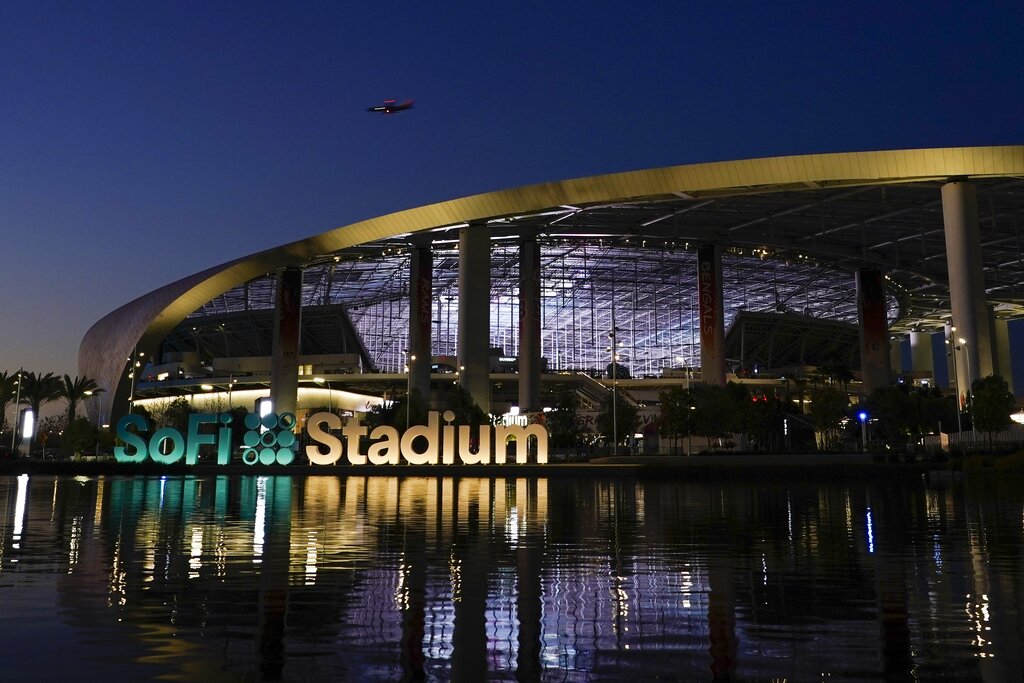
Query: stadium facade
pixel 744 270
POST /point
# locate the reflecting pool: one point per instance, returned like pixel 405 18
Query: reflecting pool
pixel 562 579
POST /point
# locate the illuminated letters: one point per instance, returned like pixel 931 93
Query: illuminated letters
pixel 270 441
pixel 430 433
pixel 195 439
pixel 321 437
pixel 352 432
pixel 131 439
pixel 387 450
pixel 521 434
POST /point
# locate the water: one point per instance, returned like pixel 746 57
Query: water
pixel 375 578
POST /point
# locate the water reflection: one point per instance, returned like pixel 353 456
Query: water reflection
pixel 370 578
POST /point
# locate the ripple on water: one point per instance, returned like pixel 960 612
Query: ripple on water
pixel 328 578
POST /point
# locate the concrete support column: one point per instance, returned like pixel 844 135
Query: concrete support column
pixel 284 363
pixel 274 496
pixel 896 355
pixel 529 325
pixel 712 320
pixel 1003 366
pixel 966 280
pixel 475 313
pixel 421 284
pixel 874 337
pixel 469 629
pixel 921 356
pixel 530 598
pixel 723 643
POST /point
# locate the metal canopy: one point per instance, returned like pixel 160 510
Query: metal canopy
pixel 790 252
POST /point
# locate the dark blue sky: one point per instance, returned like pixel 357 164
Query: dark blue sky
pixel 141 142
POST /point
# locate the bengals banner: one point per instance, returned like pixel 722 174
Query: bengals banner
pixel 874 330
pixel 710 305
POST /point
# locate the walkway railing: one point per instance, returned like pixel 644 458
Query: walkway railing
pixel 977 440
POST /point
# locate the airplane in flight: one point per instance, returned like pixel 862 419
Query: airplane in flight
pixel 391 106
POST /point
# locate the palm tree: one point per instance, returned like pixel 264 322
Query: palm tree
pixel 8 390
pixel 38 390
pixel 74 391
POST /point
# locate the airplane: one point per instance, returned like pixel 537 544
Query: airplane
pixel 391 106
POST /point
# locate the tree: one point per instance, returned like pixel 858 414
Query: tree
pixel 8 394
pixel 764 422
pixel 37 390
pixel 74 391
pixel 801 388
pixel 564 424
pixel 50 432
pixel 381 415
pixel 930 411
pixel 836 371
pixel 467 412
pixel 714 413
pixel 993 404
pixel 172 414
pixel 238 428
pixel 890 411
pixel 416 407
pixel 617 371
pixel 79 436
pixel 676 417
pixel 828 408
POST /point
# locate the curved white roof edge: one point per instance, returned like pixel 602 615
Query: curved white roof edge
pixel 141 324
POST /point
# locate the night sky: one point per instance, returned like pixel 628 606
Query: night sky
pixel 142 142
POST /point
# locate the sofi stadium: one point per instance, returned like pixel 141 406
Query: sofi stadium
pixel 750 270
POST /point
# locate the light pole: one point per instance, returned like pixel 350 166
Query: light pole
pixel 970 394
pixel 967 353
pixel 408 386
pixel 863 417
pixel 17 400
pixel 135 365
pixel 96 448
pixel 686 370
pixel 956 383
pixel 613 336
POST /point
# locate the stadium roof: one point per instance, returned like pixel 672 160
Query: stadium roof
pixel 793 230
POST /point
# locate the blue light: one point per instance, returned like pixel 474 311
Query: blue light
pixel 862 416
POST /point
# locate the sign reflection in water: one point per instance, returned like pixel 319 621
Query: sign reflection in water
pixel 327 578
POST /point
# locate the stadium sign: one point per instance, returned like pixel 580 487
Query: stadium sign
pixel 271 440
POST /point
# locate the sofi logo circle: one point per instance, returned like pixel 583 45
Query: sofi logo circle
pixel 269 439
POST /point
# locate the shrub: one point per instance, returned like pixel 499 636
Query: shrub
pixel 1011 464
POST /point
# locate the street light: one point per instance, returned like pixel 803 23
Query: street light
pixel 96 447
pixel 686 369
pixel 17 400
pixel 967 353
pixel 613 336
pixel 956 383
pixel 863 417
pixel 408 386
pixel 970 394
pixel 135 367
